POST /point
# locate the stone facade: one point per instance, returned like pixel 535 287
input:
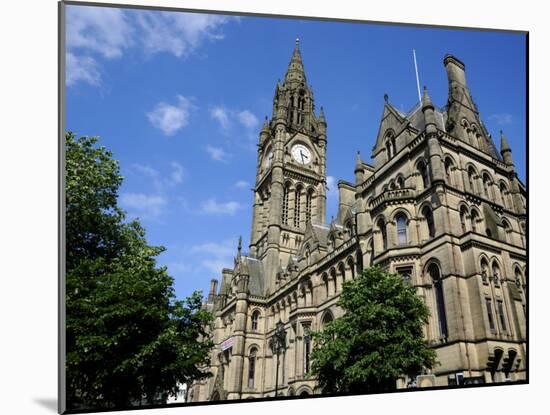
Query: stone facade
pixel 438 205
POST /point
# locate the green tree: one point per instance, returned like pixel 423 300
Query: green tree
pixel 129 341
pixel 377 340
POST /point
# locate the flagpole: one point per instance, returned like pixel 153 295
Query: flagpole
pixel 417 79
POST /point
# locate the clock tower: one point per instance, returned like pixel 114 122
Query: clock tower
pixel 290 190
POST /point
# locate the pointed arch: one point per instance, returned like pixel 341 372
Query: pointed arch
pixel 401 222
pixel 427 213
pixel 422 168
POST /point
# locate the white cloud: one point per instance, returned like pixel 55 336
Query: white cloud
pixel 81 68
pixel 143 205
pixel 178 33
pixel 221 115
pixel 178 173
pixel 214 256
pixel 332 187
pixel 501 119
pixel 247 119
pixel 217 153
pixel 105 32
pixel 242 184
pixel 211 206
pixel 170 118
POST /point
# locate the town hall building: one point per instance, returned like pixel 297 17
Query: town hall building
pixel 439 205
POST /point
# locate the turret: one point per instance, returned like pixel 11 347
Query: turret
pixel 359 169
pixel 505 150
pixel 434 147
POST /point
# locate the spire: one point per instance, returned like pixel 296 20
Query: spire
pixel 322 116
pixel 295 72
pixel 426 100
pixel 265 127
pixel 358 162
pixel 505 150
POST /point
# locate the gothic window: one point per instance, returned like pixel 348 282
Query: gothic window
pixel 463 214
pixel 307 349
pixel 307 255
pixel 383 234
pixel 506 228
pixel 334 280
pixel 388 149
pixel 325 283
pixel 448 167
pixel 401 221
pixel 309 197
pixel 400 182
pixel 486 186
pixel 327 318
pixel 255 319
pixel 428 216
pixel 490 318
pixel 351 267
pixel 501 315
pixel 371 249
pixel 297 203
pixel 252 367
pixel 471 179
pixel 423 170
pixel 484 270
pixel 473 220
pixel 433 270
pixel 406 273
pixel 286 191
pixel 496 273
pixel 359 263
pixel 504 195
pixel 342 271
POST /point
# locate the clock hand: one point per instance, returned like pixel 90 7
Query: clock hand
pixel 302 155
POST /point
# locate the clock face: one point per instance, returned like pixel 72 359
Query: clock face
pixel 301 154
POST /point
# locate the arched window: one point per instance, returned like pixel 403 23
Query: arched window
pixel 423 170
pixel 400 182
pixel 307 255
pixel 506 229
pixel 518 277
pixel 473 220
pixel 471 179
pixel 484 269
pixel 401 221
pixel 388 149
pixel 255 319
pixel 342 271
pixel 448 167
pixel 334 280
pixel 504 195
pixel 307 349
pixel 297 206
pixel 325 283
pixel 286 191
pixel 428 216
pixel 327 318
pixel 252 366
pixel 487 186
pixel 351 267
pixel 309 198
pixel 496 272
pixel 433 270
pixel 463 215
pixel 383 234
pixel 371 249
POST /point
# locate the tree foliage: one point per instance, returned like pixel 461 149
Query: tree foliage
pixel 377 340
pixel 129 341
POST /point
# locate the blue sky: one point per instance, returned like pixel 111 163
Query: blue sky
pixel 179 99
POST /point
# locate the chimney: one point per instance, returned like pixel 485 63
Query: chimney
pixel 213 290
pixel 455 70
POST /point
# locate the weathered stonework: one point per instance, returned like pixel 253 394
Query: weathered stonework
pixel 439 205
